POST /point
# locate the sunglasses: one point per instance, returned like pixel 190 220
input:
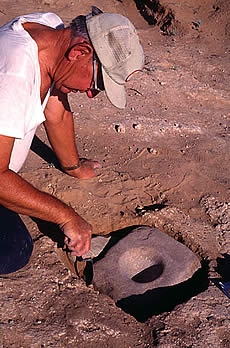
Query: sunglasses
pixel 98 85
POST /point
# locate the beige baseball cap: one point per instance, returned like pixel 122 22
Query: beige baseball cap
pixel 118 48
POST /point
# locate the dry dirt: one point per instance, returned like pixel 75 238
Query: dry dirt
pixel 165 164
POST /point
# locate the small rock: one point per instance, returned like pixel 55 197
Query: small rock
pixel 152 151
pixel 176 124
pixel 137 126
pixel 119 128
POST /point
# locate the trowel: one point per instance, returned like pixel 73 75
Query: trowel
pixel 83 267
pixel 225 288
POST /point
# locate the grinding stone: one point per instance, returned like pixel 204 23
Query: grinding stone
pixel 143 260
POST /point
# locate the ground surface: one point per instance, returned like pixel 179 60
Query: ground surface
pixel 169 149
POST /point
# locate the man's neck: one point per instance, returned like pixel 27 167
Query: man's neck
pixel 52 45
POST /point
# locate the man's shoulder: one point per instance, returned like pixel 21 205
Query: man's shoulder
pixel 45 18
pixel 16 46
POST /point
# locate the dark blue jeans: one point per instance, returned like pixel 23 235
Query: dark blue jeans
pixel 16 244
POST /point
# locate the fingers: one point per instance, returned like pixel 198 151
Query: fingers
pixel 77 235
pixel 96 165
pixel 79 248
pixel 90 163
pixel 87 170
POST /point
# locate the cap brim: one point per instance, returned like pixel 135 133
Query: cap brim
pixel 115 92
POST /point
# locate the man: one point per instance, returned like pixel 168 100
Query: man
pixel 40 63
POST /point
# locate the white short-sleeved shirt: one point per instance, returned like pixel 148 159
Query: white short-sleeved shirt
pixel 20 102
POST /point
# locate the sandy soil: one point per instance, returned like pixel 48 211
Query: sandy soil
pixel 165 164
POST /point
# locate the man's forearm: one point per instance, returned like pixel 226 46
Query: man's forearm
pixel 20 196
pixel 60 131
pixel 62 139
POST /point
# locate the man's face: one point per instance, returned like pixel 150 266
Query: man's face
pixel 75 76
pixel 79 76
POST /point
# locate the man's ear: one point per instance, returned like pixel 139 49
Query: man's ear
pixel 79 50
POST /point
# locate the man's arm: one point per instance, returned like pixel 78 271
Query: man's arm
pixel 20 196
pixel 60 130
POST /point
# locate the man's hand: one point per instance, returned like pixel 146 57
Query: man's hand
pixel 86 170
pixel 78 235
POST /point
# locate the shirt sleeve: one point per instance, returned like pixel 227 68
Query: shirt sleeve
pixel 14 98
